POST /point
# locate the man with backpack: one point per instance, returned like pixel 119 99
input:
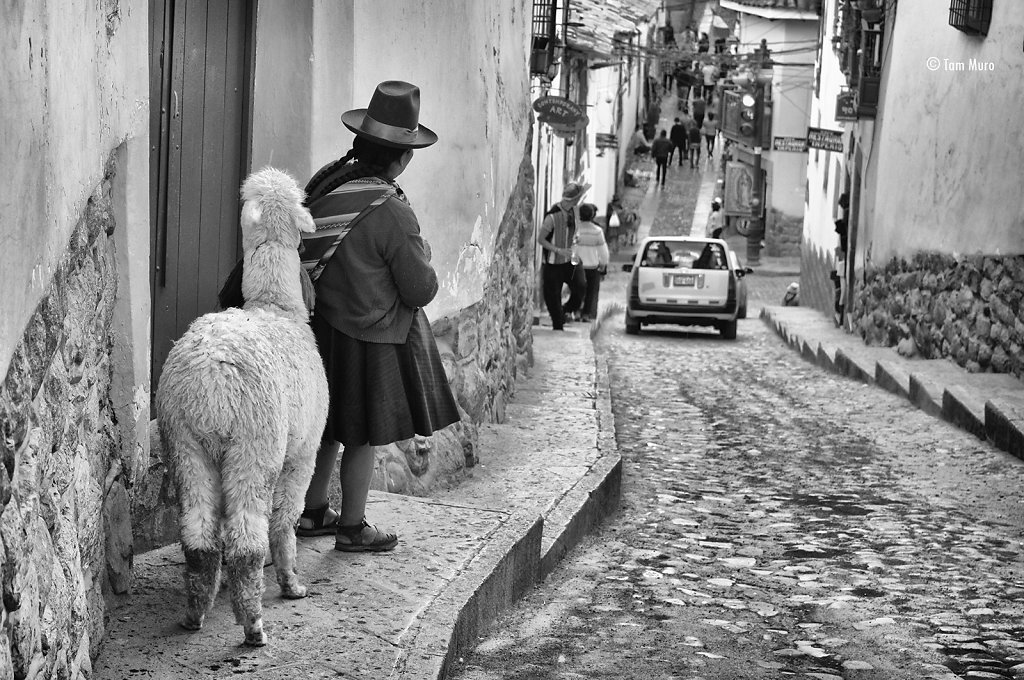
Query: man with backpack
pixel 557 238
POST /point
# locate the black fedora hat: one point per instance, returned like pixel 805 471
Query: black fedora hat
pixel 392 118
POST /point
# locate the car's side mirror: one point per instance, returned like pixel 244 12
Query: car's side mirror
pixel 743 271
pixel 627 267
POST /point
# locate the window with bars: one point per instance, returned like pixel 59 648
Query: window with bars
pixel 542 56
pixel 970 16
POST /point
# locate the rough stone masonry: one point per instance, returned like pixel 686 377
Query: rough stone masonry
pixel 65 518
pixel 967 309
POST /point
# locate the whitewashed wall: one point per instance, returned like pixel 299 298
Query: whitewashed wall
pixel 791 89
pixel 75 89
pixel 469 60
pixel 944 171
pixel 825 169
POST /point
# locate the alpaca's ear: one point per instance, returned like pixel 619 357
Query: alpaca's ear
pixel 251 213
pixel 304 221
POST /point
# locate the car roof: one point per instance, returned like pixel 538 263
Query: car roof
pixel 681 237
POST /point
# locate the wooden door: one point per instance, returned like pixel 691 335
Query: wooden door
pixel 200 83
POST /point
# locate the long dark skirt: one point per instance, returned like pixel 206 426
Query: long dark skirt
pixel 383 393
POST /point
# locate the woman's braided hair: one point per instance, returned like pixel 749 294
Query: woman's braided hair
pixel 364 159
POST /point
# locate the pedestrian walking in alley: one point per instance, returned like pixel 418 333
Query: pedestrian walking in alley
pixel 699 107
pixel 703 44
pixel 716 219
pixel 668 35
pixel 710 73
pixel 677 135
pixel 668 74
pixel 384 371
pixel 710 132
pixel 661 150
pixel 694 138
pixel 653 116
pixel 688 41
pixel 592 249
pixel 682 75
pixel 557 238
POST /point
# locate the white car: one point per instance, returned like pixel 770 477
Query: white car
pixel 686 280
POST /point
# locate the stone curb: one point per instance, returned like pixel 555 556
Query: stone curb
pixel 594 497
pixel 522 555
pixel 988 405
pixel 504 570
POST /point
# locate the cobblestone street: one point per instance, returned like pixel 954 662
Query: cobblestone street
pixel 778 521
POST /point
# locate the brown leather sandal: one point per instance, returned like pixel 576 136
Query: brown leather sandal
pixel 363 537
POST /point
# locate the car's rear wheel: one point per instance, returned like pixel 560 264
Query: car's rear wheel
pixel 632 325
pixel 728 329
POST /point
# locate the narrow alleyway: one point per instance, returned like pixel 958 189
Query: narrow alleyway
pixel 777 521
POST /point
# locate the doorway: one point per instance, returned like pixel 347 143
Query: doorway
pixel 200 123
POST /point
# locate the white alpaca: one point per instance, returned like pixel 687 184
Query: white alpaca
pixel 241 407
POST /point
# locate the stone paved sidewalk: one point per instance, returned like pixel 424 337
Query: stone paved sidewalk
pixel 988 405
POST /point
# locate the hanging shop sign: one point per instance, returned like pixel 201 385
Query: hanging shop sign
pixel 562 114
pixel 826 140
pixel 846 105
pixel 606 140
pixel 797 144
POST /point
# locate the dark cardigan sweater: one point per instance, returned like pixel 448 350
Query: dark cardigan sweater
pixel 380 275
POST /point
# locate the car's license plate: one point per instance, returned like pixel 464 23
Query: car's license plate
pixel 683 280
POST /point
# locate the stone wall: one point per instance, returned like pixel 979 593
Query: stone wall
pixel 967 309
pixel 783 234
pixel 483 348
pixel 65 519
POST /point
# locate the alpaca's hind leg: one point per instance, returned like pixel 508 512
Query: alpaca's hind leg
pixel 245 584
pixel 202 580
pixel 248 488
pixel 198 482
pixel 289 496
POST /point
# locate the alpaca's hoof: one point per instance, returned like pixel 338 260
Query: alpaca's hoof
pixel 296 591
pixel 255 638
pixel 189 623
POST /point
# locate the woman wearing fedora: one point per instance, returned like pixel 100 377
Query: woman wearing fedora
pixel 385 374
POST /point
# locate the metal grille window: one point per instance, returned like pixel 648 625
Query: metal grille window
pixel 970 16
pixel 542 57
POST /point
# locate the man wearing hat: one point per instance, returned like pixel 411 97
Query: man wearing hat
pixel 560 267
pixel 373 277
pixel 716 220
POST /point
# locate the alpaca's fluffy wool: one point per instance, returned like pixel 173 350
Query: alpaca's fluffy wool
pixel 241 407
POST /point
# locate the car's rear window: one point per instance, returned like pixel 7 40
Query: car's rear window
pixel 681 253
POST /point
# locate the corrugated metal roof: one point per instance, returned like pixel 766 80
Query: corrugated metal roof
pixel 601 19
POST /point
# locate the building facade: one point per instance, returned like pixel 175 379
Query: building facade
pixel 935 216
pixel 601 64
pixel 128 127
pixel 789 31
